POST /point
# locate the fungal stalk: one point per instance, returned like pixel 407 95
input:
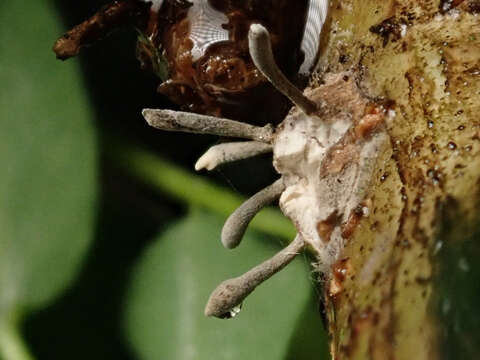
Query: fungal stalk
pixel 231 293
pixel 262 56
pixel 169 120
pixel 230 152
pixel 237 223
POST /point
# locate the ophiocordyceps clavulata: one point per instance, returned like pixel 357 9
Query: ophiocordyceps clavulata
pixel 325 149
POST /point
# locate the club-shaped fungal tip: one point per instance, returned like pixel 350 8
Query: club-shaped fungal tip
pixel 211 159
pixel 230 294
pixel 226 297
pixel 261 52
pixel 203 163
pixel 257 30
pixel 148 115
pixel 230 152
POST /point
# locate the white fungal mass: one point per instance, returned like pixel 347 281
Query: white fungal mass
pixel 316 16
pixel 205 27
pixel 321 190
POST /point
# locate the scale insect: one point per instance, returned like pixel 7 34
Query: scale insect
pixel 325 150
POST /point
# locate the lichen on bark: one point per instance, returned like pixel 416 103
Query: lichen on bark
pixel 422 58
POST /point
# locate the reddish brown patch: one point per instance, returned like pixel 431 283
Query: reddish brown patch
pixel 473 6
pixel 447 5
pixel 372 119
pixel 353 220
pixel 340 271
pixel 325 227
pixel 355 217
pixel 339 156
pixel 367 118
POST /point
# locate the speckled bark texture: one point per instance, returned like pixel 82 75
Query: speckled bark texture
pixel 421 61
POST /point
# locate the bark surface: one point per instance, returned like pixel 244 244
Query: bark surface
pixel 421 61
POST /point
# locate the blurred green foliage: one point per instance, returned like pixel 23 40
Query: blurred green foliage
pixel 457 288
pixel 168 293
pixel 48 156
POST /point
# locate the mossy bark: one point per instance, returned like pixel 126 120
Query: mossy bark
pixel 421 59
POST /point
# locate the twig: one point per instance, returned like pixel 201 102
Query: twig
pixel 111 17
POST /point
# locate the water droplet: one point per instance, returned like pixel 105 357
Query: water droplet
pixel 452 145
pixel 365 211
pixel 235 311
pixel 438 247
pixel 430 124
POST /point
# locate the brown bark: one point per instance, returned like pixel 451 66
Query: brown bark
pixel 423 59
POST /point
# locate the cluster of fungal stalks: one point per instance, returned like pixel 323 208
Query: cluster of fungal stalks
pixel 324 149
pixel 327 149
pixel 231 293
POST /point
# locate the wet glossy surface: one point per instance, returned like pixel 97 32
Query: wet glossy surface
pixel 210 70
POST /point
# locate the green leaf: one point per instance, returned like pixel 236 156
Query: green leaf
pixel 48 161
pixel 172 282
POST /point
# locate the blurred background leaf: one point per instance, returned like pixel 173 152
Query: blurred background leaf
pixel 456 275
pixel 48 155
pixel 164 310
